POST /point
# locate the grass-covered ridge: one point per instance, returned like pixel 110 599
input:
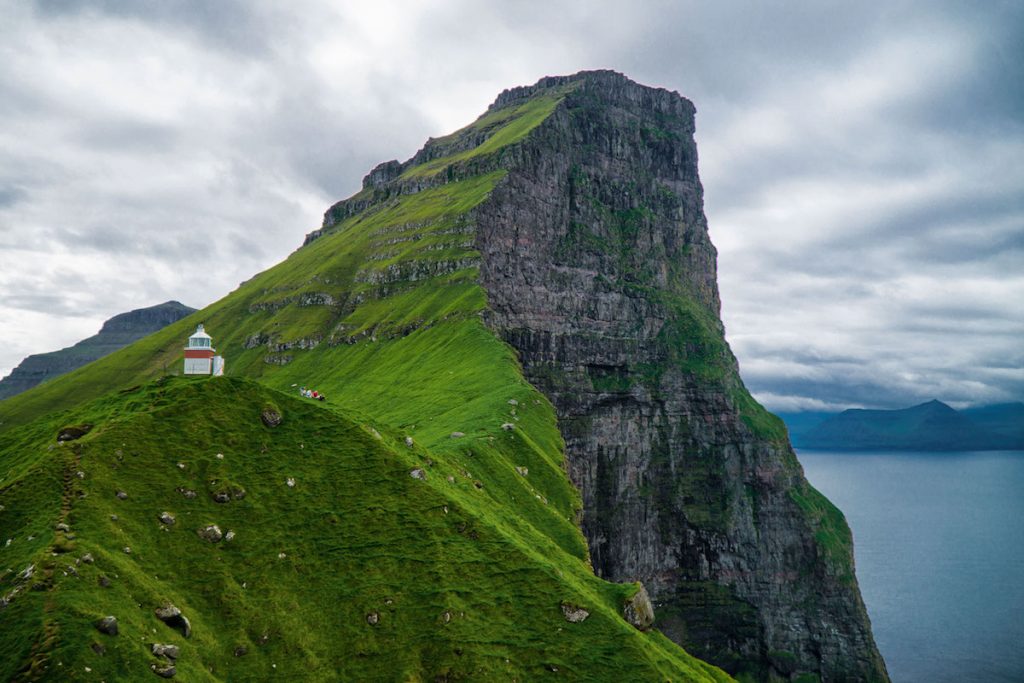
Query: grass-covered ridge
pixel 357 571
pixel 361 570
pixel 502 128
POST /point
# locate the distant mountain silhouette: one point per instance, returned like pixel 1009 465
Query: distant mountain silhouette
pixel 116 333
pixel 1004 421
pixel 931 426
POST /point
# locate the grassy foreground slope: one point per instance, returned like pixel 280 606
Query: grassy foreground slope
pixel 431 531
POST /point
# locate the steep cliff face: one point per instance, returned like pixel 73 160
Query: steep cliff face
pixel 116 333
pixel 600 272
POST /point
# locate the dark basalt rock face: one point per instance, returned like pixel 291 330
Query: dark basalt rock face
pixel 116 333
pixel 599 270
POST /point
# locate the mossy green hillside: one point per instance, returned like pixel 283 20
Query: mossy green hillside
pixel 457 586
pixel 498 130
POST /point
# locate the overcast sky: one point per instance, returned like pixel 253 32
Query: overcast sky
pixel 863 163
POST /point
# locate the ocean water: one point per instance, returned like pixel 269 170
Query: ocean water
pixel 939 546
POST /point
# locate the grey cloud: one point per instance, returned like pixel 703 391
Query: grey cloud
pixel 138 204
pixel 10 195
pixel 235 25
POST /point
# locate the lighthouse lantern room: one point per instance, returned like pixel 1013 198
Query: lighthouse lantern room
pixel 199 355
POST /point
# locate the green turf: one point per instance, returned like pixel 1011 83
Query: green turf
pixel 466 582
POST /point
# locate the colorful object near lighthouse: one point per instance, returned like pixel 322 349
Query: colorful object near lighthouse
pixel 199 355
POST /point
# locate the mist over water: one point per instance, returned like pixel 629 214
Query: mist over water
pixel 939 545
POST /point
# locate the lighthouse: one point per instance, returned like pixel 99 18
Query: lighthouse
pixel 199 355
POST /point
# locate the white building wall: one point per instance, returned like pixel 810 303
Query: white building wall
pixel 197 366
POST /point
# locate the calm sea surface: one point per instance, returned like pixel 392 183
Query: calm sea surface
pixel 939 544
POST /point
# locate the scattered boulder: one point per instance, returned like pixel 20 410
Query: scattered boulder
pixel 61 526
pixel 513 402
pixel 114 518
pixel 241 651
pixel 522 470
pixel 188 493
pixel 172 616
pixel 639 611
pixel 451 479
pixel 508 426
pixel 165 671
pixel 408 441
pixel 229 536
pixel 72 432
pixel 373 618
pixel 169 651
pixel 98 648
pixel 457 435
pixel 225 492
pixel 127 550
pixel 107 625
pixel 167 518
pixel 290 482
pixel 271 416
pixel 417 473
pixel 87 558
pixel 121 495
pixel 573 613
pixel 103 581
pixel 80 474
pixel 211 533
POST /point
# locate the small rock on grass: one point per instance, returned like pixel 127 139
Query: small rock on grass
pixel 417 473
pixel 107 625
pixel 167 518
pixel 639 611
pixel 211 533
pixel 271 417
pixel 163 650
pixel 373 618
pixel 172 616
pixel 121 495
pixel 408 441
pixel 508 426
pixel 573 613
pixel 166 671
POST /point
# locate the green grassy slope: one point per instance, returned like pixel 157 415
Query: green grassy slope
pixel 466 569
pixel 461 587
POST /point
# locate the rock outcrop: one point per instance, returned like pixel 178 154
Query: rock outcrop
pixel 116 333
pixel 599 270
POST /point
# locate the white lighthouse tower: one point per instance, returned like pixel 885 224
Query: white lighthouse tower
pixel 199 355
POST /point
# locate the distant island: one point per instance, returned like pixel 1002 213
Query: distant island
pixel 931 426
